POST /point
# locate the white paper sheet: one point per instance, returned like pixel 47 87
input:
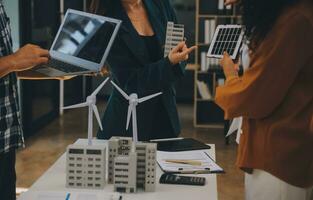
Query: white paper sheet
pixel 51 196
pixel 198 155
pixel 235 127
pixel 56 195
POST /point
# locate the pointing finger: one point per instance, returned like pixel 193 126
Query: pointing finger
pixel 189 50
pixel 179 46
pixel 43 53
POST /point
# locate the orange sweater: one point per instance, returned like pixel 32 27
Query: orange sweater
pixel 275 97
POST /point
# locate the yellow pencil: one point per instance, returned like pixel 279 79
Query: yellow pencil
pixel 185 162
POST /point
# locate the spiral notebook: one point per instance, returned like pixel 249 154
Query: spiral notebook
pixel 206 164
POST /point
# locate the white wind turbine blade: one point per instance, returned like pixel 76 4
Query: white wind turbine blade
pixel 76 106
pixel 128 116
pixel 143 99
pixel 135 128
pixel 100 87
pixel 96 112
pixel 120 90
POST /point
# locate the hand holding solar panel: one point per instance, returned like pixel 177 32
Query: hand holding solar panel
pixel 226 38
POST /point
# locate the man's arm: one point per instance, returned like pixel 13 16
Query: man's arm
pixel 33 75
pixel 25 58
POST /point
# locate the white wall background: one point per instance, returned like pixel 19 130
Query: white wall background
pixel 12 9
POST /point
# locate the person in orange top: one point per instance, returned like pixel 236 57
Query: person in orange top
pixel 275 98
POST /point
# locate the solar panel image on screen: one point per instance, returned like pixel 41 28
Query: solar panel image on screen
pixel 226 38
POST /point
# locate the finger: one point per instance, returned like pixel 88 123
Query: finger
pixel 33 46
pixel 179 46
pixel 43 52
pixel 42 60
pixel 237 67
pixel 230 2
pixel 24 69
pixel 226 55
pixel 188 50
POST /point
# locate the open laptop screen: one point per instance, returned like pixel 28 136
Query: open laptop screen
pixel 84 37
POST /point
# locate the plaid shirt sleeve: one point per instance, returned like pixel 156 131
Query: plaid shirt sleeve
pixel 11 134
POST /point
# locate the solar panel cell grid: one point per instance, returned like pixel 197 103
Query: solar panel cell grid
pixel 226 38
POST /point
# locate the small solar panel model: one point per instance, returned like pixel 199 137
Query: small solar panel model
pixel 85 166
pixel 226 38
pixel 175 34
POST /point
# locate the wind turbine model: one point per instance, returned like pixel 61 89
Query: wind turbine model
pixel 133 103
pixel 91 103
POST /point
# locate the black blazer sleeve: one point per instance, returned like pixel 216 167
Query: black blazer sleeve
pixel 142 80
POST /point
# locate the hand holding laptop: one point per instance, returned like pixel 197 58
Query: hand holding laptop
pixel 28 56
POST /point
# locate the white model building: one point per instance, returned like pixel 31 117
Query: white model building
pixel 118 146
pixel 174 35
pixel 86 166
pixel 125 167
pixel 122 152
pixel 146 166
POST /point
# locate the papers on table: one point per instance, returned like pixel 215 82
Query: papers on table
pixel 42 195
pixel 235 126
pixel 199 156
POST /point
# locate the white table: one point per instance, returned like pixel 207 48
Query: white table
pixel 54 180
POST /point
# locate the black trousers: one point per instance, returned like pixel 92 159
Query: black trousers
pixel 7 176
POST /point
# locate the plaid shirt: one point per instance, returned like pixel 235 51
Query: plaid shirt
pixel 11 134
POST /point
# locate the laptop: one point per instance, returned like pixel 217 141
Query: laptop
pixel 81 45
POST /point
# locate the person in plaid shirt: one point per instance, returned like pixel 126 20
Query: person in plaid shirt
pixel 11 133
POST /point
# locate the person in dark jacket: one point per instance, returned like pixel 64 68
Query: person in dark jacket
pixel 137 65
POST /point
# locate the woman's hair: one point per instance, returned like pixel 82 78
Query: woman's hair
pixel 102 7
pixel 259 16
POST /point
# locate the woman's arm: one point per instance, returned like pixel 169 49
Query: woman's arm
pixel 273 70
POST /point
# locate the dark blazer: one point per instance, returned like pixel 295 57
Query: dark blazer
pixel 131 70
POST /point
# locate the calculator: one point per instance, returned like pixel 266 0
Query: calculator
pixel 168 178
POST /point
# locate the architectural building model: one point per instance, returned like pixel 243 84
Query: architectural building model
pixel 86 166
pixel 117 146
pixel 174 35
pixel 134 165
pixel 131 164
pixel 146 166
pixel 125 179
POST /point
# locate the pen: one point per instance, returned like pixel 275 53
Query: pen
pixel 167 139
pixel 186 162
pixel 196 172
pixel 68 196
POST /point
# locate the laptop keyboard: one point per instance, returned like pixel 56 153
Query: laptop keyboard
pixel 64 67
